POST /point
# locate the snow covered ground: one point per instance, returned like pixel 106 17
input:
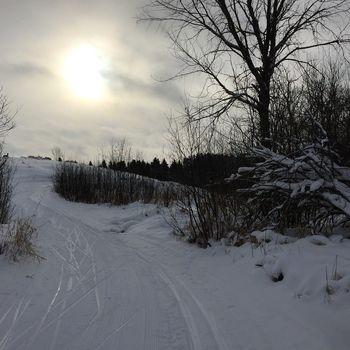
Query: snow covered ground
pixel 116 278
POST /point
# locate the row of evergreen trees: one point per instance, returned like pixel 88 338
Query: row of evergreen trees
pixel 199 170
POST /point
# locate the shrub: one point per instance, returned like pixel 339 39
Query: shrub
pixel 213 213
pixel 89 184
pixel 6 174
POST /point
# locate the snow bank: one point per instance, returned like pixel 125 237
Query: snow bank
pixel 314 267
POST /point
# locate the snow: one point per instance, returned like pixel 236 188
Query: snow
pixel 117 278
pixel 271 236
pixel 316 185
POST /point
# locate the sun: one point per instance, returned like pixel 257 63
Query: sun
pixel 83 70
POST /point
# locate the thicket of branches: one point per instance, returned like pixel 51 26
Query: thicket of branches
pixel 277 193
pixel 322 96
pixel 205 157
pixel 212 213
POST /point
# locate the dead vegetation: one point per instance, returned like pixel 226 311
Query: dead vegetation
pixel 17 240
pixel 91 184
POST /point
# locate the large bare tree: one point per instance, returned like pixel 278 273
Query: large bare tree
pixel 240 45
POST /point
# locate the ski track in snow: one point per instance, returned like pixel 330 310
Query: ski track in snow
pixel 192 311
pixel 126 287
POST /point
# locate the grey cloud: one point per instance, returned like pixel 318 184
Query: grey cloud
pixel 164 90
pixel 25 68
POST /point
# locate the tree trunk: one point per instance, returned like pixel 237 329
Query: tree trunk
pixel 264 113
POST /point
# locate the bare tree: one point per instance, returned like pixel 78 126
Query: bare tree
pixel 6 115
pixel 57 153
pixel 120 150
pixel 188 137
pixel 6 169
pixel 239 45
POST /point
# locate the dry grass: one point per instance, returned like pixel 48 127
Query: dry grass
pixel 18 240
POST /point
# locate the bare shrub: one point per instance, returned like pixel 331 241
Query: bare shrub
pixel 209 208
pixel 6 174
pixel 213 213
pixel 89 184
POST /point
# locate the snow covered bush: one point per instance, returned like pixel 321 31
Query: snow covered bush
pixel 306 190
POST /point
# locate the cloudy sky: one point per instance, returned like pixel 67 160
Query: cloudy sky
pixel 82 72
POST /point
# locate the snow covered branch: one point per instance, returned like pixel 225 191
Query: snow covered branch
pixel 291 190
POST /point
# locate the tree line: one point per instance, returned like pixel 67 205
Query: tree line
pixel 198 170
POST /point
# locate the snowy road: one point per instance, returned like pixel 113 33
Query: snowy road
pixel 115 278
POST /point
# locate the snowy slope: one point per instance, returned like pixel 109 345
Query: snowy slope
pixel 116 278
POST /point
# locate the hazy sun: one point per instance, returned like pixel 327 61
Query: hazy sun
pixel 83 69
